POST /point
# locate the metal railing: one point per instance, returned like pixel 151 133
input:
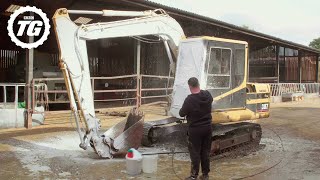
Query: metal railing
pixel 277 89
pixel 10 95
pixel 128 88
pixel 311 88
pixel 135 88
pixel 8 58
pixel 149 92
pixel 41 98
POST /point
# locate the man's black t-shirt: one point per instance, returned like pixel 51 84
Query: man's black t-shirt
pixel 197 108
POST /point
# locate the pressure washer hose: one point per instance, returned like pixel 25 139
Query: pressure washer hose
pixel 245 177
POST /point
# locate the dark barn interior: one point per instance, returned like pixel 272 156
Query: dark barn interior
pixel 113 62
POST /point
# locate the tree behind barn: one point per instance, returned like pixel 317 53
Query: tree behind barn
pixel 315 43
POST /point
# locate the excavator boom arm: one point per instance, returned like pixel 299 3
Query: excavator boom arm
pixel 72 39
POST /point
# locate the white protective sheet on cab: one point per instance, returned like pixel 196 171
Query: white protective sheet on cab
pixel 190 63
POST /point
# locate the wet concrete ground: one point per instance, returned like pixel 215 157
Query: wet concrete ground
pixel 289 149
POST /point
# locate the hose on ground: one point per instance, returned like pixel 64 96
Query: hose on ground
pixel 276 164
pixel 241 178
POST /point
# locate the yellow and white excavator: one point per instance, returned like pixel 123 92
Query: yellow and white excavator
pixel 219 64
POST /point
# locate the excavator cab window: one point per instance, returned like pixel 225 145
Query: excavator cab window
pixel 219 66
pixel 239 66
pixel 224 71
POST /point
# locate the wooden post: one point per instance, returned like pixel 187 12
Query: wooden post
pixel 139 79
pixel 248 65
pixel 317 68
pixel 278 64
pixel 299 65
pixel 284 60
pixel 29 77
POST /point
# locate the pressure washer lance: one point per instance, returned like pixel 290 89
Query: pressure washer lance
pixel 170 152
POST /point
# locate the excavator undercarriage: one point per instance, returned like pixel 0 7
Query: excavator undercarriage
pixel 224 136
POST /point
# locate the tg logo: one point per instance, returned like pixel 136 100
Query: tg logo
pixel 29 26
pixel 34 28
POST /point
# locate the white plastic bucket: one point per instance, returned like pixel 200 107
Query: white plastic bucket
pixel 150 163
pixel 134 165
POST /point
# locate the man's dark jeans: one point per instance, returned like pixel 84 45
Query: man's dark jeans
pixel 199 147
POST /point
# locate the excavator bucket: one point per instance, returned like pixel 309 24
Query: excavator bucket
pixel 126 134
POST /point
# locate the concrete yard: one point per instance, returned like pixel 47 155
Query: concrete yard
pixel 289 149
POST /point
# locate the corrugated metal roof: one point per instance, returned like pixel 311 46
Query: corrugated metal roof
pixel 224 24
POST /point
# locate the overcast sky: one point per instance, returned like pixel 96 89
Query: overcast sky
pixel 293 20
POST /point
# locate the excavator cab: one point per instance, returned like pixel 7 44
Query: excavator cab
pixel 219 64
pixel 221 67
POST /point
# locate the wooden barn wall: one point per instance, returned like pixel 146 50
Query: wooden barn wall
pixel 154 59
pixel 309 67
pixel 291 69
pixel 115 56
pixel 262 64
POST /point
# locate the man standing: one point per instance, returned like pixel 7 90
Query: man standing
pixel 197 109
